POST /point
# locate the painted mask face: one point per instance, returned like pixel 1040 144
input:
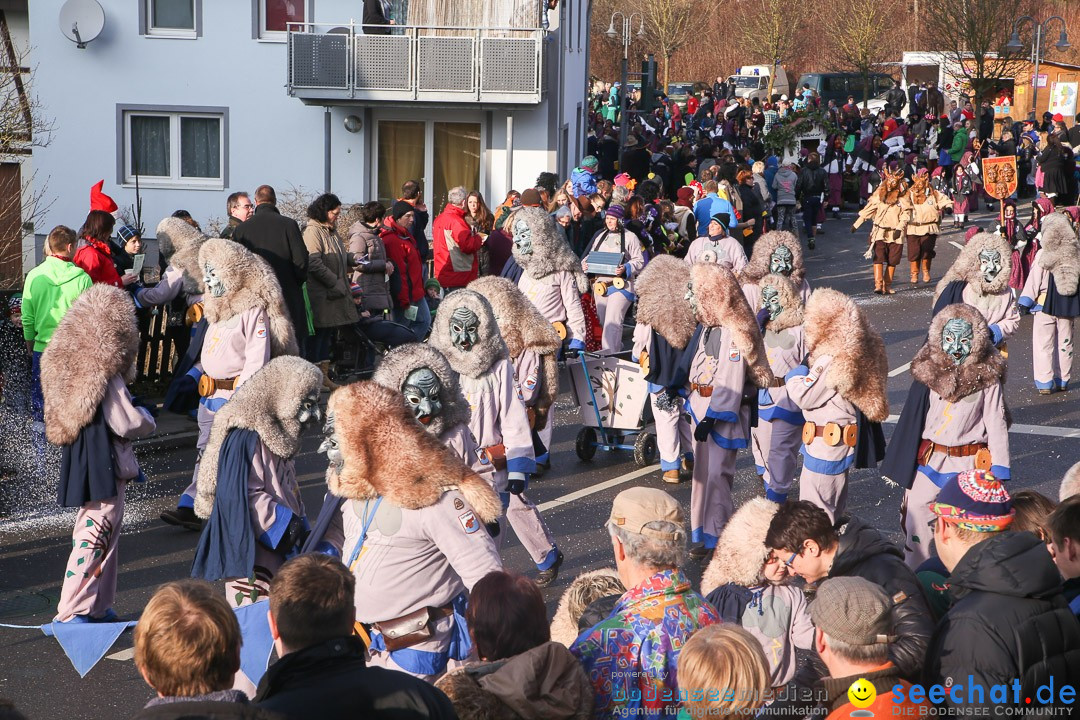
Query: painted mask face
pixel 770 300
pixel 523 238
pixel 212 281
pixel 782 261
pixel 691 297
pixel 421 391
pixel 464 329
pixel 330 445
pixel 308 412
pixel 989 264
pixel 956 339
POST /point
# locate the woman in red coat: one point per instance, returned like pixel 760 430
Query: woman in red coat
pixel 94 256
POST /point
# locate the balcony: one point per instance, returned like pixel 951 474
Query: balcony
pixel 495 66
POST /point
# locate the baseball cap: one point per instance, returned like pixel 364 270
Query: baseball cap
pixel 530 198
pixel 633 509
pixel 852 610
pixel 975 500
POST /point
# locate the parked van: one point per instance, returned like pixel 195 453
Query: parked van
pixel 838 86
pixel 752 81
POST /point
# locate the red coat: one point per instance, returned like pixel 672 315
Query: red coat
pixel 456 261
pixel 692 104
pixel 401 251
pixel 96 259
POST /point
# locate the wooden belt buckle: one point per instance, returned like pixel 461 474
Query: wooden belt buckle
pixel 618 283
pixel 600 287
pixel 809 432
pixel 982 459
pixel 851 435
pixel 206 386
pixel 194 314
pixel 560 328
pixel 643 361
pixel 833 435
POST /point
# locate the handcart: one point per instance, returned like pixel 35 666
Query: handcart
pixel 612 395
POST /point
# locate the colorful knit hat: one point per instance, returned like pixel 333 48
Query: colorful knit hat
pixel 974 500
pixel 590 163
pixel 616 211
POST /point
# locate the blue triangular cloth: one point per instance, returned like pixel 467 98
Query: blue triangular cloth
pixel 258 643
pixel 86 643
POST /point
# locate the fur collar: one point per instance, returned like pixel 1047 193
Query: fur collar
pixel 267 403
pixel 551 252
pixel 792 314
pixel 586 588
pixel 758 265
pixel 249 283
pixel 984 367
pixel 389 454
pixel 396 365
pixel 1060 253
pixel 741 551
pixel 97 339
pixel 835 326
pixel 487 352
pixel 1070 484
pixel 661 299
pixel 721 303
pixel 966 266
pixel 179 244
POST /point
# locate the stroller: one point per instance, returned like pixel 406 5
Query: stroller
pixel 613 397
pixel 356 355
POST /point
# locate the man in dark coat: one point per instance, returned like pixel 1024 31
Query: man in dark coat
pixel 916 102
pixel 322 672
pixel 636 159
pixel 808 543
pixel 935 101
pixel 896 99
pixel 277 239
pixel 1009 620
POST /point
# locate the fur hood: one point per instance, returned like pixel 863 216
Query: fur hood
pixel 741 551
pixel 758 265
pixel 792 314
pixel 402 360
pixel 1060 253
pixel 586 588
pixel 551 252
pixel 97 339
pixel 267 403
pixel 1070 485
pixel 834 325
pixel 388 453
pixel 485 353
pixel 249 283
pixel 984 367
pixel 179 243
pixel 966 266
pixel 661 299
pixel 721 303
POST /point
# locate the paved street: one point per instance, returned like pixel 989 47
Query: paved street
pixel 575 497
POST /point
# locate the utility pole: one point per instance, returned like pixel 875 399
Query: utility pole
pixel 624 91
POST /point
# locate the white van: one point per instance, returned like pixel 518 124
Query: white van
pixel 752 81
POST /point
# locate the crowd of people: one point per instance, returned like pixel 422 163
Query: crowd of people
pixel 393 597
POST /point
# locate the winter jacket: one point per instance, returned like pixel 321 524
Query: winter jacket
pixel 583 182
pixel 863 552
pixel 365 243
pixel 959 142
pixel 1008 621
pixel 230 228
pixel 48 292
pixel 222 705
pixel 96 259
pixel 331 681
pixel 328 277
pixel 812 182
pixel 401 251
pixel 277 239
pixel 456 249
pixel 1056 167
pixel 784 184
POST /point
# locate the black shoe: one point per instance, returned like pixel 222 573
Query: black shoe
pixel 836 214
pixel 183 517
pixel 810 243
pixel 546 577
pixel 541 469
pixel 700 553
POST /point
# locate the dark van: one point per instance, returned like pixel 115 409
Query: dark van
pixel 838 86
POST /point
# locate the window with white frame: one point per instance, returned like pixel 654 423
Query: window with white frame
pixel 275 16
pixel 171 18
pixel 175 148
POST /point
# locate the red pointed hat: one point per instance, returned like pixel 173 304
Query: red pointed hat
pixel 101 201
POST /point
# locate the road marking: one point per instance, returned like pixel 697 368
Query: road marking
pixel 900 370
pixel 1047 430
pixel 600 487
pixel 123 655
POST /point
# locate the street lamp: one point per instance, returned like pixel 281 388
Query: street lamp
pixel 1039 28
pixel 627 26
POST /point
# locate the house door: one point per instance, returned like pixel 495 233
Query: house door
pixel 10 225
pixel 441 155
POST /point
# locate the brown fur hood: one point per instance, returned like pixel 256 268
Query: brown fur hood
pixel 741 551
pixel 179 244
pixel 544 683
pixel 551 253
pixel 834 325
pixel 790 299
pixel 268 403
pixel 1070 484
pixel 489 350
pixel 97 339
pixel 721 303
pixel 661 299
pixel 1060 253
pixel 587 588
pixel 389 454
pixel 402 360
pixel 984 367
pixel 249 283
pixel 966 266
pixel 758 265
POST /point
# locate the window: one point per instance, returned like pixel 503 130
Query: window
pixel 275 16
pixel 171 18
pixel 175 147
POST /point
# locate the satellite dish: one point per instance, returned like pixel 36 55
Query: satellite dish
pixel 81 21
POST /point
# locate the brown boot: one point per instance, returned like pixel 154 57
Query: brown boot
pixel 878 288
pixel 926 271
pixel 327 383
pixel 887 285
pixel 915 273
pixel 672 477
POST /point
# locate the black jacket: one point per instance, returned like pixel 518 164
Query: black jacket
pixel 331 681
pixel 207 707
pixel 277 239
pixel 812 181
pixel 897 99
pixel 1008 620
pixel 863 552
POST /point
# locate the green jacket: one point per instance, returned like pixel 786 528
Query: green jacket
pixel 49 290
pixel 960 140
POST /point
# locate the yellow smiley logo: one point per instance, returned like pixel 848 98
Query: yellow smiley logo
pixel 862 693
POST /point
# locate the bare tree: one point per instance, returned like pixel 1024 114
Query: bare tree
pixel 860 32
pixel 669 24
pixel 772 31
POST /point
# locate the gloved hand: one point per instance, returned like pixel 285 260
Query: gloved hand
pixel 294 535
pixel 516 483
pixel 762 318
pixel 1024 309
pixel 492 528
pixel 186 385
pixel 853 229
pixel 668 401
pixel 138 402
pixel 704 429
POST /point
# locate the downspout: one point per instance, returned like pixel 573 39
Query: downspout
pixel 326 150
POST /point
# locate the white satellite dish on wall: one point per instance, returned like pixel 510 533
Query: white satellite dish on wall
pixel 81 21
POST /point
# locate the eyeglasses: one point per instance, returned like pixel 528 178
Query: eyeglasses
pixel 788 563
pixel 246 207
